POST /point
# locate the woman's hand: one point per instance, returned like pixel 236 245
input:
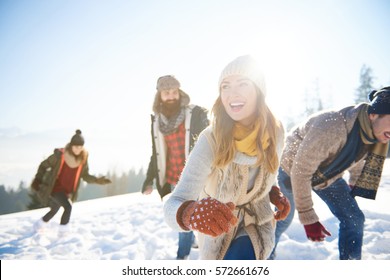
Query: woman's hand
pixel 208 216
pixel 281 202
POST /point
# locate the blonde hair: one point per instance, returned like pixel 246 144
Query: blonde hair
pixel 223 132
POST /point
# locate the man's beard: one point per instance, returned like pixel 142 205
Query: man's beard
pixel 171 108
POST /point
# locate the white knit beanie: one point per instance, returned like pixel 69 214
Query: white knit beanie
pixel 246 66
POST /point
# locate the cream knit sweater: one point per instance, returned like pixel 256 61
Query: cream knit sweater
pixel 241 183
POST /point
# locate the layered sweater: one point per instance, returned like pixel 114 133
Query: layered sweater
pixel 316 144
pixel 195 121
pixel 240 182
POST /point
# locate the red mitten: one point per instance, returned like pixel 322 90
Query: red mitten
pixel 281 202
pixel 316 232
pixel 208 216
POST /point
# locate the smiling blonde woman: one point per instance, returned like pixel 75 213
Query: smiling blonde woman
pixel 226 187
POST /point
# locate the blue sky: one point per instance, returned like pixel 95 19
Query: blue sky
pixel 93 65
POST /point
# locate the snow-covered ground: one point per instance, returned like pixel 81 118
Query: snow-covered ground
pixel 132 227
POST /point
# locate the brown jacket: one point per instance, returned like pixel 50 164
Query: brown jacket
pixel 48 172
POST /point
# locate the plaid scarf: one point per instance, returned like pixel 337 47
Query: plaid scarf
pixel 368 182
pixel 169 125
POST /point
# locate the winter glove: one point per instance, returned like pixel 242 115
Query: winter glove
pixel 281 202
pixel 316 232
pixel 208 216
pixel 103 181
pixel 35 184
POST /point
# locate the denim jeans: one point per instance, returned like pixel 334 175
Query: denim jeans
pixel 345 208
pixel 240 249
pixel 340 202
pixel 185 243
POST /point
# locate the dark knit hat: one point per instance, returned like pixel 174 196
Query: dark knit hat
pixel 379 101
pixel 77 139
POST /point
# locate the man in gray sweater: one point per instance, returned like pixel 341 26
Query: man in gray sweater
pixel 315 157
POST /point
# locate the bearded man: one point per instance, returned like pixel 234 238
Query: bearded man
pixel 175 126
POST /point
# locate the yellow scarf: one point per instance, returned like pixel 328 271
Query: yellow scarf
pixel 245 138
